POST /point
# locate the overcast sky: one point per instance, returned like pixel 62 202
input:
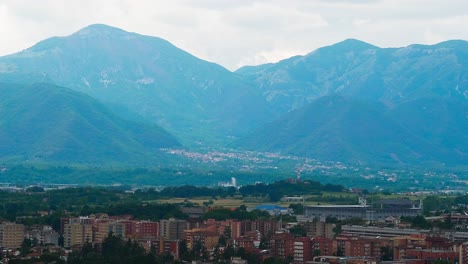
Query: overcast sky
pixel 234 33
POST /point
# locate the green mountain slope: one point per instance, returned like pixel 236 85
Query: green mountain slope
pixel 351 101
pixel 344 129
pixel 356 69
pixel 441 121
pixel 192 98
pixel 406 105
pixel 43 122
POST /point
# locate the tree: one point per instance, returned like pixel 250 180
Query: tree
pixel 25 246
pixel 387 253
pixel 197 249
pixel 204 254
pixel 114 250
pixel 420 222
pixel 340 252
pixel 436 203
pixel 264 243
pixel 447 223
pixel 229 252
pixel 227 232
pixel 35 189
pixel 298 208
pixel 243 208
pixel 275 260
pixel 61 240
pixel 337 230
pixel 275 196
pixel 441 261
pixel 183 250
pixel 216 253
pixel 166 257
pixel 298 231
pixel 222 240
pixel 86 255
pixel 51 258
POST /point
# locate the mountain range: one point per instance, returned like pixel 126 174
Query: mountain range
pixel 353 130
pixel 194 99
pixel 356 102
pixel 357 69
pixel 44 122
pixel 350 101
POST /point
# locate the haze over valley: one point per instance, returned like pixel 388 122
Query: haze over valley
pixel 221 131
pixel 104 97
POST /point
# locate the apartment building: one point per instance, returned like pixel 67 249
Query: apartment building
pixel 303 250
pixel 172 229
pixel 77 234
pixel 11 235
pixel 319 229
pixel 282 245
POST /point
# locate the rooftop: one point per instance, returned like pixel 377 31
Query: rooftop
pixel 339 206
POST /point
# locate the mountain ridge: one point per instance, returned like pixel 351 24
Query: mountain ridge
pixel 389 75
pixel 43 122
pixel 389 91
pixel 422 89
pixel 346 129
pixel 194 99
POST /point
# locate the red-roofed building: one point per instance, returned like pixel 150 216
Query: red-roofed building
pixel 282 245
pixel 323 246
pixel 303 250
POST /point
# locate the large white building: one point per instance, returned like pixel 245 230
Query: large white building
pixel 379 211
pixel 232 183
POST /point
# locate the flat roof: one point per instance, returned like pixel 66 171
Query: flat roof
pixel 337 206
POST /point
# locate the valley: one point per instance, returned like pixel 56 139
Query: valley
pixel 208 167
pixel 234 132
pixel 107 106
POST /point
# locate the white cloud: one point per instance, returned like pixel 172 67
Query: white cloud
pixel 361 21
pixel 267 56
pixel 234 33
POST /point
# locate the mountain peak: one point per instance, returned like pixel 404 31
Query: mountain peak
pixel 354 44
pixel 94 32
pixel 347 45
pixel 456 43
pixel 99 30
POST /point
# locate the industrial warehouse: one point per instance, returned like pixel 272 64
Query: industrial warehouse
pixel 378 211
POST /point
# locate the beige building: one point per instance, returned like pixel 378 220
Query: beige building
pixel 319 229
pixel 76 234
pixel 102 229
pixel 11 235
pixel 203 236
pixel 117 229
pixel 172 229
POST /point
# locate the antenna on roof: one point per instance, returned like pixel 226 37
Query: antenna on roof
pixel 299 170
